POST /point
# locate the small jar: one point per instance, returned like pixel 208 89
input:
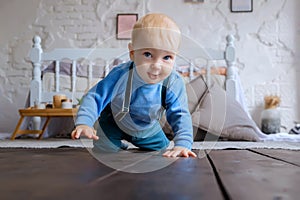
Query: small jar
pixel 270 116
pixel 57 100
pixel 270 121
pixel 66 103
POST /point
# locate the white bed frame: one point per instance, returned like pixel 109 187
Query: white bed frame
pixel 38 57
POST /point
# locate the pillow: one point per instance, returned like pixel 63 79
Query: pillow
pixel 221 115
pixel 216 113
pixel 195 90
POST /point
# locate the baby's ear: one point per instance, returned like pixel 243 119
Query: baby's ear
pixel 131 51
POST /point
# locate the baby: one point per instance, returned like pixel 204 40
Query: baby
pixel 129 102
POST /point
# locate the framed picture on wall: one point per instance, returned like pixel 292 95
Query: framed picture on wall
pixel 241 5
pixel 125 24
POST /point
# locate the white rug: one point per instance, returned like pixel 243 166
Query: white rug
pixel 247 145
pixel 87 143
pixel 45 143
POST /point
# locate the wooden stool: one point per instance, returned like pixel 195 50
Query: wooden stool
pixel 48 113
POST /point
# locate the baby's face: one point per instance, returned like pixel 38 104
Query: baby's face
pixel 153 65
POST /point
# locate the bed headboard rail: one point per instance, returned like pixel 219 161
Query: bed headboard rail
pixel 210 58
pixel 37 57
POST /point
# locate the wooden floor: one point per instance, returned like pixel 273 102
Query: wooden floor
pixel 73 173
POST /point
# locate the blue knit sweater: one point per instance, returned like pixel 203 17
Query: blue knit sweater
pixel 145 105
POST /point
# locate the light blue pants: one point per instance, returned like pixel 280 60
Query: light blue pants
pixel 111 136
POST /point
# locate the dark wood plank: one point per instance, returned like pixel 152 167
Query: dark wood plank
pixel 46 173
pixel 71 173
pixel 247 175
pixel 285 155
pixel 187 178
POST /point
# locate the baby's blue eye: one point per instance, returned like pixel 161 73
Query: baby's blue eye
pixel 147 54
pixel 167 57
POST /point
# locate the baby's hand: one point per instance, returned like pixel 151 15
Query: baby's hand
pixel 179 151
pixel 84 130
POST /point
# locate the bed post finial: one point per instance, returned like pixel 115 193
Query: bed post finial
pixel 36 41
pixel 230 50
pixel 230 38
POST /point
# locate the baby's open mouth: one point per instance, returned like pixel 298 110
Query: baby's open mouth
pixel 153 76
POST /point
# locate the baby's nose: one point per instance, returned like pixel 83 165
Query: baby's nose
pixel 156 65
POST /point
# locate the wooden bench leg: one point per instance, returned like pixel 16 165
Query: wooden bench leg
pixel 44 128
pixel 17 128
